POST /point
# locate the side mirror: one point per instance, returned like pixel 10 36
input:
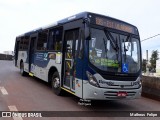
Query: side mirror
pixel 108 45
pixel 93 42
pixel 132 46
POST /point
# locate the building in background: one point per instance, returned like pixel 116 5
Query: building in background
pixel 8 52
pixel 6 55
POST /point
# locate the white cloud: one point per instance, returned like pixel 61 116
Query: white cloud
pixel 19 16
pixel 17 2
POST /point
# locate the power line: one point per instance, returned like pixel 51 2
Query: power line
pixel 150 37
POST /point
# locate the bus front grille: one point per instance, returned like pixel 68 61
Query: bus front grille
pixel 119 78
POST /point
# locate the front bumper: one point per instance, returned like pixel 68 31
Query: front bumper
pixel 94 93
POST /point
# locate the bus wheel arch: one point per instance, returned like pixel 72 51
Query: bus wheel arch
pixel 50 73
pixel 23 73
pixel 54 80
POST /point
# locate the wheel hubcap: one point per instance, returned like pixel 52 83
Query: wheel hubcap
pixel 21 70
pixel 56 83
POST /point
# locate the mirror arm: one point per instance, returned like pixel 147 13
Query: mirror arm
pixel 86 21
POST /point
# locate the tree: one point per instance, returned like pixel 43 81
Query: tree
pixel 153 59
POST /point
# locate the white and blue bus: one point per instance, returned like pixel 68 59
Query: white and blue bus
pixel 92 56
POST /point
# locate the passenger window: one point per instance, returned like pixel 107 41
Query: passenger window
pixel 42 40
pixel 55 39
pixel 24 43
pixel 71 37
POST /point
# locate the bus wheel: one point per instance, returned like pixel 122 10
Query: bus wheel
pixel 56 84
pixel 23 73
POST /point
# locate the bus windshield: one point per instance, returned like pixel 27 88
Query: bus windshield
pixel 114 52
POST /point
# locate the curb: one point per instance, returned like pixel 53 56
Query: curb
pixel 151 93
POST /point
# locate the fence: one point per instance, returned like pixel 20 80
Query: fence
pixel 6 57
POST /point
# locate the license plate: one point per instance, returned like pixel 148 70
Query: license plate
pixel 122 94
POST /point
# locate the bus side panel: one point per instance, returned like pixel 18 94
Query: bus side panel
pixel 22 56
pixel 81 68
pixel 43 64
pixel 58 66
pixel 40 63
pixel 41 73
pixel 78 87
pixel 79 78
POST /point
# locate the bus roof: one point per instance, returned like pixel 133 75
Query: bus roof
pixel 69 19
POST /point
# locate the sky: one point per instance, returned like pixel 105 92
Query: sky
pixel 20 16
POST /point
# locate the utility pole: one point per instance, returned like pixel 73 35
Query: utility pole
pixel 147 65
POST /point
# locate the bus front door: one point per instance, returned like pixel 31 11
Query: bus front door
pixel 31 53
pixel 71 41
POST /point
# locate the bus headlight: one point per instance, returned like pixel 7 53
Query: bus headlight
pixel 140 82
pixel 137 83
pixel 92 79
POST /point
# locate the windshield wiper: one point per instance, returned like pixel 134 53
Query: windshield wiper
pixel 124 47
pixel 113 42
pixel 130 40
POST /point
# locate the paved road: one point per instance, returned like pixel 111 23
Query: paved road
pixel 31 94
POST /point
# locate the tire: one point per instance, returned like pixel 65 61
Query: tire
pixel 55 83
pixel 23 73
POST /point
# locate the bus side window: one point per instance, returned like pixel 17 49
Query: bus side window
pixel 21 44
pixel 42 40
pixel 55 39
pixel 72 39
pixel 51 40
pixel 24 43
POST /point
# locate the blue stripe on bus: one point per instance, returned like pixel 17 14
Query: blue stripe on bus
pixel 79 68
pixel 82 65
pixel 41 59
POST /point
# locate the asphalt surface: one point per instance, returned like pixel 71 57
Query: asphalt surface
pixel 32 94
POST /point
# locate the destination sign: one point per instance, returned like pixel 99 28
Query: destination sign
pixel 114 24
